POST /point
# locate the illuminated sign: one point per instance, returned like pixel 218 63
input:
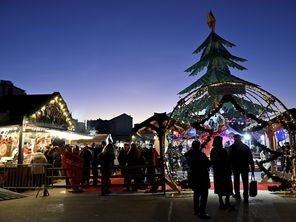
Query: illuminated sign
pixel 226 89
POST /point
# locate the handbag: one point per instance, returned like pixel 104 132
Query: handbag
pixel 253 187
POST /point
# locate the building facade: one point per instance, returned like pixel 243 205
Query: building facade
pixel 7 88
pixel 119 127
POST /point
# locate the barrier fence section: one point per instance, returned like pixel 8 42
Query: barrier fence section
pixel 26 176
pixel 43 176
pixel 140 176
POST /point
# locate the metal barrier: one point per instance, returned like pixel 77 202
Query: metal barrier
pixel 26 176
pixel 142 175
pixel 43 176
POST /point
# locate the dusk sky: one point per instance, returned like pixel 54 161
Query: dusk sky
pixel 108 57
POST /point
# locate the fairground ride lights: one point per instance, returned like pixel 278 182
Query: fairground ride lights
pixel 68 135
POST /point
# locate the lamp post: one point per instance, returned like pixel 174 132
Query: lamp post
pixel 20 146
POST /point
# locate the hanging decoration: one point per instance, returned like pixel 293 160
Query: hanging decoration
pixel 54 113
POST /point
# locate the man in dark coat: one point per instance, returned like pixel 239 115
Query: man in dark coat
pixel 106 159
pixel 122 159
pixel 87 157
pixel 94 163
pixel 241 159
pixel 199 179
pixel 222 172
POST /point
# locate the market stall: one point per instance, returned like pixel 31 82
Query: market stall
pixel 32 122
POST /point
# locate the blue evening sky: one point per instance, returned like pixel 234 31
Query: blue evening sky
pixel 108 57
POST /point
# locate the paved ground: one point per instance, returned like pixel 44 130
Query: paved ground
pixel 8 195
pixel 139 207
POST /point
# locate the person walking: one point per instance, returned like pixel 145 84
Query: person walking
pixel 133 171
pixel 38 170
pixel 87 157
pixel 122 159
pixel 106 159
pixel 198 176
pixel 57 162
pixel 241 160
pixel 222 173
pixel 94 163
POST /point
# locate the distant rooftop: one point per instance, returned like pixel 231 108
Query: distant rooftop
pixel 7 88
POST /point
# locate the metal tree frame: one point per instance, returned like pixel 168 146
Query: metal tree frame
pixel 263 108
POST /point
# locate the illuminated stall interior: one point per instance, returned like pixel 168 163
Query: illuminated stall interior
pixel 32 122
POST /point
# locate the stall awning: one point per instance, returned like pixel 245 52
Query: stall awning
pixel 97 139
pixel 68 135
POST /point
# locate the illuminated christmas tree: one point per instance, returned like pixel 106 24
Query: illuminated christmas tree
pixel 216 59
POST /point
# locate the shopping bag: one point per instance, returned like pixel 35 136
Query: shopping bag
pixel 253 187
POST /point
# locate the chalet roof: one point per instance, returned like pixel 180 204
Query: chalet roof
pixel 18 106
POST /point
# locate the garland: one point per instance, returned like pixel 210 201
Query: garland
pixel 227 98
pixel 285 184
pixel 265 148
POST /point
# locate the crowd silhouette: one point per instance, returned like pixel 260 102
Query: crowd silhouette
pixel 139 168
pixel 235 159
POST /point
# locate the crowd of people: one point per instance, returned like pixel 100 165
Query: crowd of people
pixel 136 164
pixel 236 161
pixel 140 165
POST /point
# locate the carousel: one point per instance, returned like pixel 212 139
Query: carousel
pixel 219 103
